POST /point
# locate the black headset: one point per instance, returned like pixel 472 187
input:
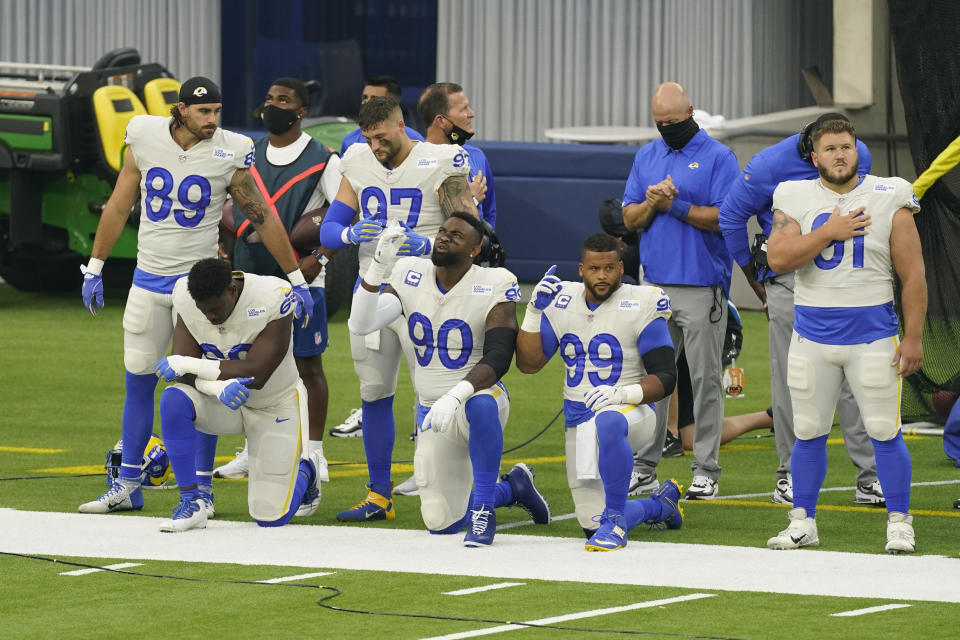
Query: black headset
pixel 805 143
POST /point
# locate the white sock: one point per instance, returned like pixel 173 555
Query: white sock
pixel 316 445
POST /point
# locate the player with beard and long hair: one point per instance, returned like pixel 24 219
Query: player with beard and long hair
pixel 613 339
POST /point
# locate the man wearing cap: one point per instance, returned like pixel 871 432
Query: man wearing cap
pixel 182 168
pixel 752 195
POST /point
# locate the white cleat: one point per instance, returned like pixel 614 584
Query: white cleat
pixel 206 497
pixel 119 497
pixel 189 514
pixel 801 532
pixel 239 467
pixel 352 427
pixel 783 493
pixel 900 538
pixel 407 488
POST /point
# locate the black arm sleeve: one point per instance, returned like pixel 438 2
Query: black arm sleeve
pixel 660 362
pixel 499 344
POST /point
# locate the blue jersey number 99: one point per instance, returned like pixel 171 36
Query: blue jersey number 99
pixel 603 352
pixel 154 192
pixel 425 343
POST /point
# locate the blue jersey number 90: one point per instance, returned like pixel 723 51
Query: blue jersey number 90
pixel 157 213
pixel 575 357
pixel 425 343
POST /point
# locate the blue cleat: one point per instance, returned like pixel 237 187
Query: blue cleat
pixel 119 497
pixel 668 495
pixel 481 526
pixel 611 535
pixel 205 495
pixel 525 493
pixel 374 507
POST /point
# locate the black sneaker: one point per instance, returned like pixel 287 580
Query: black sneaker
pixel 672 446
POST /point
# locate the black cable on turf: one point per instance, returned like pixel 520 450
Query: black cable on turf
pixel 61 476
pixel 336 592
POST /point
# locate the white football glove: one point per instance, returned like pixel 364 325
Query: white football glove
pixel 385 256
pixel 444 410
pixel 605 395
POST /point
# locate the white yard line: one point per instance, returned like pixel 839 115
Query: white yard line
pixel 84 572
pixel 933 483
pixel 489 587
pixel 573 616
pixel 523 523
pixel 863 612
pixel 302 576
pixel 649 560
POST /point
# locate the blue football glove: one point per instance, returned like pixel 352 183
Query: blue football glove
pixel 235 393
pixel 168 368
pixel 364 231
pixel 414 245
pixel 546 290
pixel 304 304
pixel 92 290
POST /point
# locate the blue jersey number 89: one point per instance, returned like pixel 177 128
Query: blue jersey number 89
pixel 162 193
pixel 425 345
pixel 575 357
pixel 838 248
pixel 397 196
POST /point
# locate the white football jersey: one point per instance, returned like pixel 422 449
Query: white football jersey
pixel 858 272
pixel 263 300
pixel 181 192
pixel 447 329
pixel 600 347
pixel 407 193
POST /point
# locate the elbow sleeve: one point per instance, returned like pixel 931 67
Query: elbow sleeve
pixel 337 218
pixel 499 344
pixel 661 362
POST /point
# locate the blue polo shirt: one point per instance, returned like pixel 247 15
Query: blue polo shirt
pixel 752 191
pixel 673 252
pixel 356 136
pixel 478 162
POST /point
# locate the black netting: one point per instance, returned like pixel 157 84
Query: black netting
pixel 926 38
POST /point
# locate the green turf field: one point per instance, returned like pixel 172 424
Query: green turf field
pixel 62 382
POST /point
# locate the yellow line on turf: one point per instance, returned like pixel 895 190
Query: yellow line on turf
pixel 71 470
pixel 31 450
pixel 820 507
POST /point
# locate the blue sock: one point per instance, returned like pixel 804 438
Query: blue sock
pixel 378 435
pixel 893 471
pixel 189 494
pixel 502 495
pixel 809 467
pixel 485 447
pixel 641 510
pixel 304 477
pixel 615 460
pixel 206 451
pixel 137 422
pixel 179 435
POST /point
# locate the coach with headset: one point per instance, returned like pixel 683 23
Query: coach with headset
pixel 752 195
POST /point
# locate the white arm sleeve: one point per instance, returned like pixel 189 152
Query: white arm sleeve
pixel 372 311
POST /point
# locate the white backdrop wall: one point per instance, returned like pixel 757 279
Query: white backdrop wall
pixel 529 65
pixel 182 35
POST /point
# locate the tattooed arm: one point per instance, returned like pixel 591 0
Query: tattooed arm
pixel 788 248
pixel 248 197
pixel 455 195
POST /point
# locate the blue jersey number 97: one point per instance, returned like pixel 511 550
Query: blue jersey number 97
pixel 426 343
pixel 397 196
pixel 603 352
pixel 158 211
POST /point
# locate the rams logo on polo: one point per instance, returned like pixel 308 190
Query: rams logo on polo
pixel 200 92
pixel 413 278
pixel 693 165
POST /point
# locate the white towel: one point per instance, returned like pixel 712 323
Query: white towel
pixel 587 467
pixel 372 341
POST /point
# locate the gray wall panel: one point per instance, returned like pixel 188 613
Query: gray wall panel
pixel 183 35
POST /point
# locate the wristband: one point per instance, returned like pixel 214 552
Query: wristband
pixel 531 319
pixel 94 266
pixel 296 278
pixel 476 203
pixel 211 387
pixel 461 391
pixel 345 237
pixel 679 209
pixel 632 394
pixel 322 259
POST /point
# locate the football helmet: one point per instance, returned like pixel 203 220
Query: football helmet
pixel 491 251
pixel 154 466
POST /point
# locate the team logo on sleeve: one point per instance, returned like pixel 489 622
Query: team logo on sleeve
pixel 413 278
pixel 562 301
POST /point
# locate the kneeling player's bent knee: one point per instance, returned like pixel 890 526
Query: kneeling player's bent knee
pixel 273 463
pixel 175 403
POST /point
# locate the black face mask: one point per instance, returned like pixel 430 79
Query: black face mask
pixel 677 135
pixel 277 120
pixel 456 135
